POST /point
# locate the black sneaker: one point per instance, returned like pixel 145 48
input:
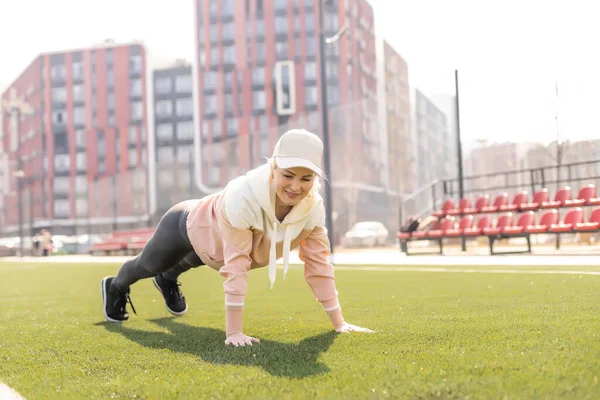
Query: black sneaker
pixel 174 300
pixel 114 302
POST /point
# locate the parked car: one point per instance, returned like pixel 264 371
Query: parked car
pixel 366 234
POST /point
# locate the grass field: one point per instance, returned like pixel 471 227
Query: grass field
pixel 439 335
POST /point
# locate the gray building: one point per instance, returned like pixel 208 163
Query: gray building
pixel 431 140
pixel 174 130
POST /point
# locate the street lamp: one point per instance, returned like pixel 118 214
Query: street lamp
pixel 17 108
pixel 325 119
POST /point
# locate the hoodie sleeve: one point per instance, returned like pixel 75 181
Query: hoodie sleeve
pixel 319 274
pixel 235 222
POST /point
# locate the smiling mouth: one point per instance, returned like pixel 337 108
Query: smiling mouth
pixel 292 195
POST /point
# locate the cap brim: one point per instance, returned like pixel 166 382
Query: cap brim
pixel 293 162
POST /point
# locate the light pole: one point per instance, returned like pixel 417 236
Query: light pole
pixel 17 108
pixel 325 120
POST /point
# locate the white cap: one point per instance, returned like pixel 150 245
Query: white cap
pixel 299 148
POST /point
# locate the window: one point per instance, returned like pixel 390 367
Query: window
pixel 61 184
pixel 264 146
pixel 310 22
pixel 135 64
pixel 164 108
pixel 258 76
pixel 260 52
pixel 281 50
pixel 101 147
pixel 228 31
pixel 59 94
pixel 137 111
pixel 185 154
pixel 310 46
pixel 310 71
pixel 59 117
pixel 210 104
pixel 132 158
pixel 184 107
pixel 132 134
pixel 280 25
pixel 210 79
pixel 310 96
pixel 81 184
pixel 162 85
pixel 164 154
pixel 80 138
pixel 259 100
pixel 79 116
pixel 229 55
pixel 81 161
pixel 280 4
pixel 62 163
pixel 228 102
pixel 183 84
pixel 185 130
pixel 61 208
pixel 78 94
pixel 214 56
pixel 135 88
pixel 164 132
pixel 81 207
pixel 57 72
pixel 77 70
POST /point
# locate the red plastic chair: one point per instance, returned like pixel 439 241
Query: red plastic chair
pixel 482 201
pixel 423 234
pixel 519 199
pixel 572 218
pixel 586 194
pixel 593 223
pixel 499 201
pixel 538 198
pixel 501 224
pixel 484 222
pixel 447 223
pixel 465 223
pixel 525 219
pixel 561 196
pixel 548 218
pixel 448 205
pixel 464 204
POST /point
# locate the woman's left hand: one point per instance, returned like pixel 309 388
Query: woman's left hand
pixel 347 328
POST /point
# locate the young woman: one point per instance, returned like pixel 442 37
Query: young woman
pixel 257 219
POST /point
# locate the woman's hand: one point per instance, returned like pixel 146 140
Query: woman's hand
pixel 239 339
pixel 345 327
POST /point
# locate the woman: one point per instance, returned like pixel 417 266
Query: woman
pixel 256 219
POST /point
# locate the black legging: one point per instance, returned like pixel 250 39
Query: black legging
pixel 168 251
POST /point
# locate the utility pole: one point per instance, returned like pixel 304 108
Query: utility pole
pixel 461 189
pixel 325 120
pixel 17 108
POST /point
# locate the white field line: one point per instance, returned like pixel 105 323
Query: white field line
pixel 7 393
pixel 470 270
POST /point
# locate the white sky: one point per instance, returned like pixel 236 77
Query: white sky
pixel 508 53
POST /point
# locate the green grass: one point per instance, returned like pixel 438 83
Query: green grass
pixel 439 335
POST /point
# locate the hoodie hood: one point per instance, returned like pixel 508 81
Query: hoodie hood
pixel 259 180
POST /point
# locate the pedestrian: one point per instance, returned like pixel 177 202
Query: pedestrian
pixel 258 218
pixel 46 243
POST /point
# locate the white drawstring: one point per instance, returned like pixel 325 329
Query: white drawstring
pixel 273 256
pixel 287 243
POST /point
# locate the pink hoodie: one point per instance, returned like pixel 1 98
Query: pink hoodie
pixel 235 230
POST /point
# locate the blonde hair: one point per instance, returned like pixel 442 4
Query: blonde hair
pixel 316 182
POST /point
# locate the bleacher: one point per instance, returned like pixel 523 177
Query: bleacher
pixel 505 219
pixel 123 242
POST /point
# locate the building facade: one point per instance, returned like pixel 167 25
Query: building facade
pixel 258 74
pixel 431 140
pixel 174 135
pixel 83 146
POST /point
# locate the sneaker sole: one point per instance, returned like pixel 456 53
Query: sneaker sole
pixel 168 309
pixel 103 289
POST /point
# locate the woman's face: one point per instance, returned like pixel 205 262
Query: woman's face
pixel 292 185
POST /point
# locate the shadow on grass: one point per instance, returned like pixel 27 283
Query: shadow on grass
pixel 294 360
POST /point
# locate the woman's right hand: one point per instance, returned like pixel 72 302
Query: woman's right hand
pixel 239 339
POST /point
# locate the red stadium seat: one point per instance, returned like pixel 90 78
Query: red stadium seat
pixel 482 201
pixel 572 218
pixel 519 199
pixel 593 223
pixel 524 221
pixel 465 203
pixel 447 223
pixel 586 193
pixel 548 218
pixel 501 199
pixel 484 222
pixel 448 205
pixel 561 196
pixel 538 198
pixel 503 221
pixel 465 223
